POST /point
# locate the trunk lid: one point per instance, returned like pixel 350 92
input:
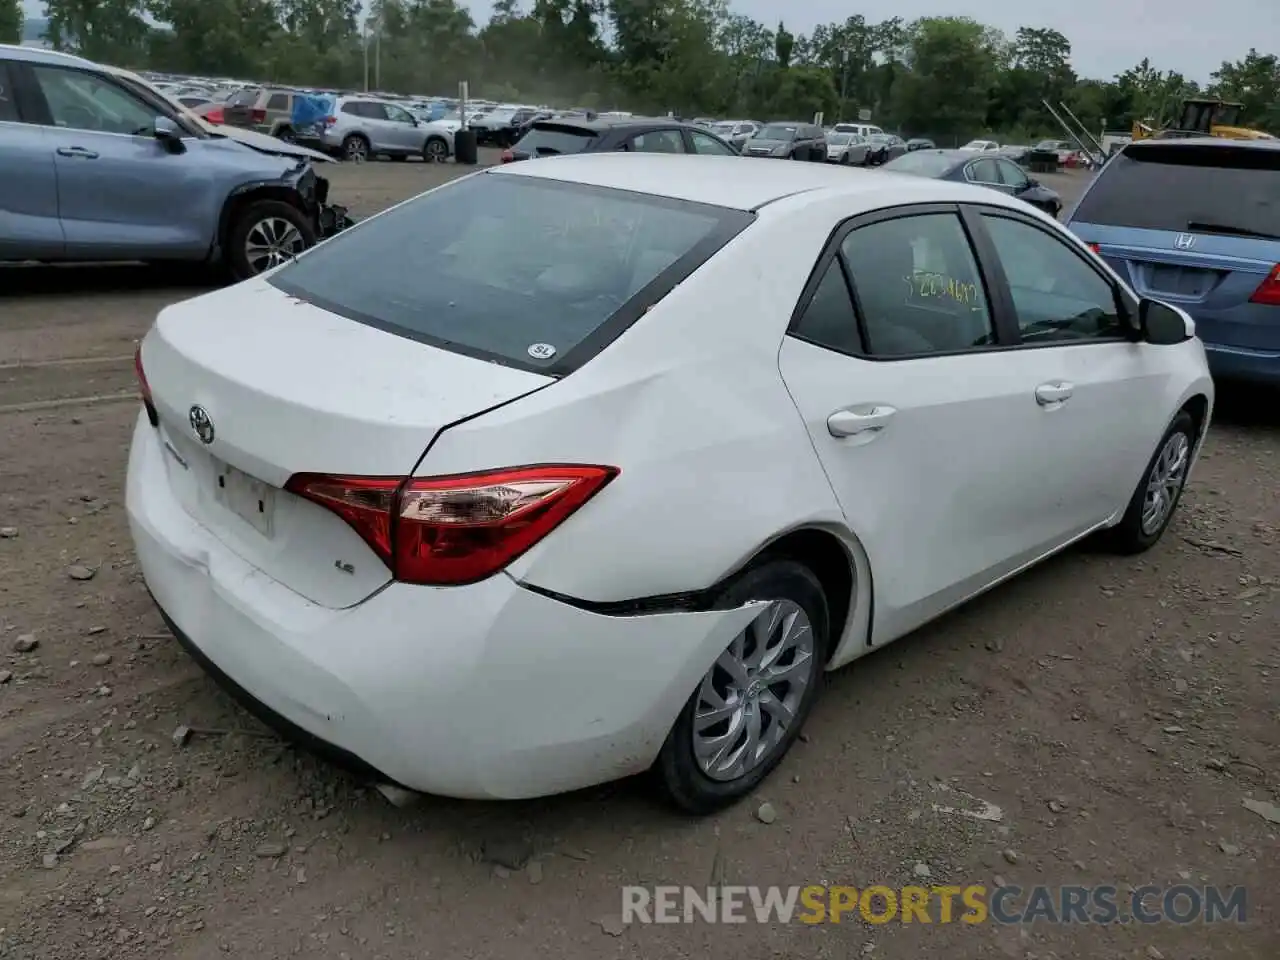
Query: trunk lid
pixel 252 386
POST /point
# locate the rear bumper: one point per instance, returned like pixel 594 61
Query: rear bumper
pixel 483 691
pixel 1238 363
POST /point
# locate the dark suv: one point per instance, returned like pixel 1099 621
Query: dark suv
pixel 788 140
pixel 546 138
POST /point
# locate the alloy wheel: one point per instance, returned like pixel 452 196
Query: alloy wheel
pixel 750 698
pixel 271 242
pixel 1164 482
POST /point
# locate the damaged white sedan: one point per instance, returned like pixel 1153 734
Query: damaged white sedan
pixel 589 466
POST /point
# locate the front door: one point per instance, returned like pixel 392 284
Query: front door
pixel 119 189
pixel 933 441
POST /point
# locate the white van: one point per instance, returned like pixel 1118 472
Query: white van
pixel 861 129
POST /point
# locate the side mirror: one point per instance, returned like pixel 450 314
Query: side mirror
pixel 1032 182
pixel 167 131
pixel 1163 324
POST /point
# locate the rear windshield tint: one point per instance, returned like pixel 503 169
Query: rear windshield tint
pixel 921 164
pixel 545 141
pixel 501 267
pixel 1172 188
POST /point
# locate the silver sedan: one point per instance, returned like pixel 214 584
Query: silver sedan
pixel 847 149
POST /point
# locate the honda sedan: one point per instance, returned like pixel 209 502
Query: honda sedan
pixel 481 498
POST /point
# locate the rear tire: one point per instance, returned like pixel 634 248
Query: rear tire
pixel 435 150
pixel 682 765
pixel 262 220
pixel 355 148
pixel 1154 502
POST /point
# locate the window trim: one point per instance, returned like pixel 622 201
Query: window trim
pixel 999 302
pixel 1126 306
pixel 730 223
pixel 32 99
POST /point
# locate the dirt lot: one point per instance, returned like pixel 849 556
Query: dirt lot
pixel 1117 712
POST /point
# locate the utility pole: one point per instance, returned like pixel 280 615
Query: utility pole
pixel 377 57
pixel 364 44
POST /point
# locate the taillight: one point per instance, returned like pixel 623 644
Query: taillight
pixel 456 529
pixel 259 116
pixel 1268 292
pixel 216 115
pixel 1095 248
pixel 144 388
pixel 330 121
pixel 507 156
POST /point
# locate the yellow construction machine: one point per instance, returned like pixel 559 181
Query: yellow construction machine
pixel 1201 117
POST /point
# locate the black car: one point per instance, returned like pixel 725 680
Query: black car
pixel 546 138
pixel 984 169
pixel 884 147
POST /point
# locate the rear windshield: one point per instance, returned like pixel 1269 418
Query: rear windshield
pixel 1185 188
pixel 243 98
pixel 920 163
pixel 545 141
pixel 503 267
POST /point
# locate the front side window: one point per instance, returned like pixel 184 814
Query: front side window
pixel 494 264
pixel 1011 174
pixel 1056 294
pixel 658 141
pixel 86 101
pixel 397 114
pixel 918 286
pixel 708 145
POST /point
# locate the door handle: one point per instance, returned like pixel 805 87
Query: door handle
pixel 82 152
pixel 1051 394
pixel 853 421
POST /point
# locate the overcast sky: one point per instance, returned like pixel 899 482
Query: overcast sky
pixel 1107 36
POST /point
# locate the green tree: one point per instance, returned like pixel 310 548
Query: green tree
pixel 112 31
pixel 11 21
pixel 1254 82
pixel 952 71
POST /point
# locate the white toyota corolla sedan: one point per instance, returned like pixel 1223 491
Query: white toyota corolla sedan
pixel 592 465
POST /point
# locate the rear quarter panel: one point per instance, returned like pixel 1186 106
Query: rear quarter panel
pixel 689 404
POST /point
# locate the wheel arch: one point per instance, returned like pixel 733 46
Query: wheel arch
pixel 250 193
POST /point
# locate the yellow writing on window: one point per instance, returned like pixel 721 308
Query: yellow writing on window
pixel 935 287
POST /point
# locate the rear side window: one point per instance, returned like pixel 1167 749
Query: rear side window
pixel 278 101
pixel 503 267
pixel 1188 189
pixel 8 105
pixel 352 109
pixel 546 141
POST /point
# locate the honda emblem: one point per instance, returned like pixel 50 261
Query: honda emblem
pixel 1185 241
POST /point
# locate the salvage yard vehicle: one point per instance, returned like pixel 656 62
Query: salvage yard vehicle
pixel 984 169
pixel 496 507
pixel 361 128
pixel 546 138
pixel 1193 220
pixel 98 166
pixel 788 141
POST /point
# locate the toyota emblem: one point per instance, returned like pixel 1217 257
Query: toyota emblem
pixel 198 417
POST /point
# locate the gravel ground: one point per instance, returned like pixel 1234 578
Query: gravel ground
pixel 1118 712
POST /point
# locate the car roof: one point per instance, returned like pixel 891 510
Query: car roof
pixel 604 124
pixel 742 184
pixel 1216 143
pixel 43 55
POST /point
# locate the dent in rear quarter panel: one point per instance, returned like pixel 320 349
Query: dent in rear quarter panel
pixel 690 405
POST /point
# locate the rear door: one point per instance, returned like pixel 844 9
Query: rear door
pixel 1197 225
pixel 29 225
pixel 905 387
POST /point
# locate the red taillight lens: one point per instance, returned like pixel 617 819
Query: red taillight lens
pixel 458 529
pixel 1268 292
pixel 507 156
pixel 1095 248
pixel 259 116
pixel 330 121
pixel 215 115
pixel 144 388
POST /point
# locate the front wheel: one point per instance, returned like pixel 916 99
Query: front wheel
pixel 749 707
pixel 1152 505
pixel 435 150
pixel 266 234
pixel 355 148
